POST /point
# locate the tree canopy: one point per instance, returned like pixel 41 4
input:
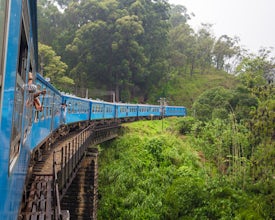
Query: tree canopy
pixel 130 47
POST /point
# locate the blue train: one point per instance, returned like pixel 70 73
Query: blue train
pixel 30 120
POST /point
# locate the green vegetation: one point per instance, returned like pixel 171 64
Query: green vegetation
pixel 217 163
pixel 185 88
pixel 140 171
pixel 150 173
pixel 140 50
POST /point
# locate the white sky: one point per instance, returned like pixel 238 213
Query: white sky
pixel 251 20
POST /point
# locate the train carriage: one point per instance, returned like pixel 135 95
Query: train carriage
pixel 149 111
pixel 174 111
pixel 155 111
pixel 121 110
pixel 47 119
pixel 18 57
pixel 132 110
pixel 101 110
pixel 97 110
pixel 78 109
pixel 109 110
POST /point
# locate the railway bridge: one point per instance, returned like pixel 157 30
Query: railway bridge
pixel 62 179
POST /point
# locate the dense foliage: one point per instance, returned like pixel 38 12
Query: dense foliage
pixel 222 168
pixel 135 49
pixel 150 173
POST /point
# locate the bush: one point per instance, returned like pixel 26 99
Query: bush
pixel 185 125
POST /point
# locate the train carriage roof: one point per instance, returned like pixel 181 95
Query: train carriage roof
pixel 44 81
pixel 74 97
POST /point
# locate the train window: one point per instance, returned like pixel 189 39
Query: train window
pixel 48 98
pixel 3 10
pixel 36 116
pixel 46 111
pixel 69 107
pixel 50 111
pixel 17 123
pixel 42 117
pixel 19 100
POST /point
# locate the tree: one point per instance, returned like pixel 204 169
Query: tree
pixel 205 41
pixel 225 48
pixel 183 47
pixel 49 20
pixel 255 70
pixel 52 67
pixel 179 15
pixel 213 103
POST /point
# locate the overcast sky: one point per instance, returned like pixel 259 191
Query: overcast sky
pixel 251 20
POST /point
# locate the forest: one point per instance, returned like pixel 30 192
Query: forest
pixel 216 163
pixel 136 49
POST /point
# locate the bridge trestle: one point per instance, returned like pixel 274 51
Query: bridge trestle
pixel 72 157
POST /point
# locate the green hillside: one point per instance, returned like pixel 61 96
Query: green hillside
pixel 153 172
pixel 185 89
pixel 219 164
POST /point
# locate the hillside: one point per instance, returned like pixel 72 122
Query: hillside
pixel 185 89
pixel 137 171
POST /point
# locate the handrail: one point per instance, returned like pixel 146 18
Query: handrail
pixel 56 200
pixel 67 160
pixel 70 156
